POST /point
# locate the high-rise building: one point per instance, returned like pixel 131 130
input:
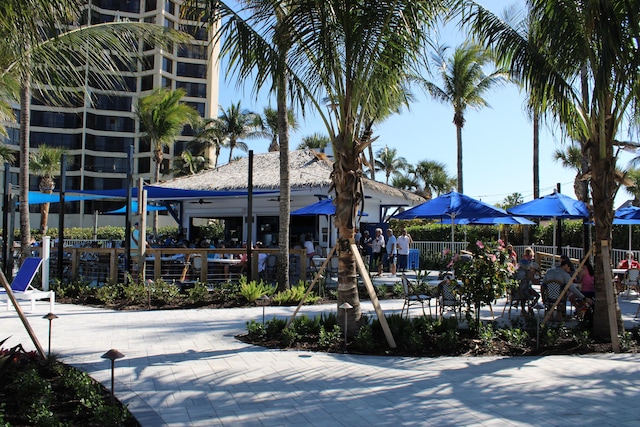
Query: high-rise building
pixel 98 131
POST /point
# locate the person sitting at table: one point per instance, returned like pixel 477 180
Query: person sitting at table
pixel 561 275
pixel 629 262
pixel 586 279
pixel 262 259
pixel 512 257
pixel 311 250
pixel 528 254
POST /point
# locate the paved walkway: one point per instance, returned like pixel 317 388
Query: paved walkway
pixel 184 368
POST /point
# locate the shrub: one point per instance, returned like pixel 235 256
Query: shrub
pixel 305 325
pixel 275 327
pixel 199 292
pixel 164 292
pixel 253 290
pixel 364 341
pixel 516 337
pixel 109 293
pixel 329 339
pixel 290 336
pixel 135 292
pixel 255 330
pixel 328 320
pixel 294 295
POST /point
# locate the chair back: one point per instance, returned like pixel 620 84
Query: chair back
pixel 553 290
pixel 26 274
pixel 272 260
pixel 405 284
pixel 633 274
pixel 448 292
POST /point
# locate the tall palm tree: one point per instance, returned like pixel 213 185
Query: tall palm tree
pixel 390 163
pixel 405 182
pixel 316 141
pixel 359 56
pixel 464 85
pixel 267 125
pixel 235 124
pixel 586 75
pixel 162 116
pixel 434 178
pixel 45 163
pixel 256 40
pixel 208 136
pixel 39 48
pixel 572 158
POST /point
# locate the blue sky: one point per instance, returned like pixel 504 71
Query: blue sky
pixel 497 141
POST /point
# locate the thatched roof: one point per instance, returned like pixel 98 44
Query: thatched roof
pixel 308 169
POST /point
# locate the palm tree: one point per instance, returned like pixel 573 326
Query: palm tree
pixel 634 188
pixel 267 125
pixel 586 75
pixel 434 178
pixel 208 136
pixel 162 117
pixel 388 162
pixel 45 163
pixel 235 123
pixel 188 163
pixel 39 49
pixel 464 84
pixel 316 141
pixel 405 182
pixel 572 158
pixel 359 56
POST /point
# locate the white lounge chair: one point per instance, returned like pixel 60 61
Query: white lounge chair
pixel 22 289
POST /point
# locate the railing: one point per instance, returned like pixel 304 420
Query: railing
pixel 98 266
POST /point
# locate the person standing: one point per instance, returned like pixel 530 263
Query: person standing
pixel 392 247
pixel 377 245
pixel 365 247
pixel 404 242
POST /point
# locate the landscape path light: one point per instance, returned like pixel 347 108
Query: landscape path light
pixel 345 306
pixel 264 300
pixel 112 355
pixel 49 317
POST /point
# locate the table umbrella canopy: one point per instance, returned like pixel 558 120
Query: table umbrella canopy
pixel 508 220
pixel 452 205
pixel 555 205
pixel 321 207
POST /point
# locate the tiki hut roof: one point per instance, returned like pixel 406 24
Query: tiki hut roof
pixel 308 169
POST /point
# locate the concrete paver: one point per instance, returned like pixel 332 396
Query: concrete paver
pixel 185 367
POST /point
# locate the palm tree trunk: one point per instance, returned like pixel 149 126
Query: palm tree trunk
pixel 459 140
pixel 285 190
pixel 536 155
pixel 603 188
pixel 156 178
pixel 44 218
pixel 25 118
pixel 346 178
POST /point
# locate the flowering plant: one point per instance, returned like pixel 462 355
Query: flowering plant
pixel 484 275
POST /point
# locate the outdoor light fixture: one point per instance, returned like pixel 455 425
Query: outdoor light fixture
pixel 112 355
pixel 264 300
pixel 49 317
pixel 345 306
pixel 538 307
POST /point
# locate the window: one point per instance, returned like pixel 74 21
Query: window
pixel 167 65
pixel 192 51
pixel 192 70
pixel 108 143
pixel 195 90
pixel 146 82
pixel 117 103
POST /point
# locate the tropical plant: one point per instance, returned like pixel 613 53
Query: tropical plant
pixel 267 125
pixel 40 50
pixel 188 163
pixel 583 67
pixel 572 158
pixel 236 123
pixel 484 278
pixel 434 178
pixel 208 136
pixel 7 154
pixel 162 116
pixel 315 141
pixel 390 163
pixel 633 175
pixel 464 85
pixel 46 163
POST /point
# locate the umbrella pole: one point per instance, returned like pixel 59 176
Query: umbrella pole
pixel 554 243
pixel 453 217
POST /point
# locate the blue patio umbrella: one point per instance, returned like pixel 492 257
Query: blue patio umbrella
pixel 452 206
pixel 553 206
pixel 629 215
pixel 321 207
